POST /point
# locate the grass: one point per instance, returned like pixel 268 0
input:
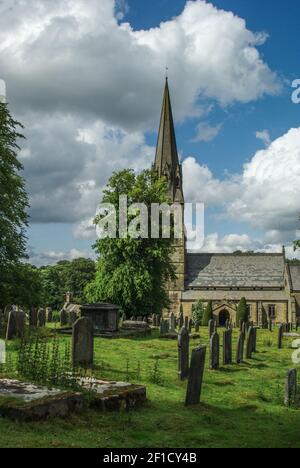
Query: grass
pixel 242 406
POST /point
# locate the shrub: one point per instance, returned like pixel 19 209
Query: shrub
pixel 208 314
pixel 198 312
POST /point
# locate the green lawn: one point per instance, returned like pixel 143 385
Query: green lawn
pixel 241 405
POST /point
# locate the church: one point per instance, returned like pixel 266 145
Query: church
pixel 269 283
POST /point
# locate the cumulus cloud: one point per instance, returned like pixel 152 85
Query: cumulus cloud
pixel 52 257
pixel 76 56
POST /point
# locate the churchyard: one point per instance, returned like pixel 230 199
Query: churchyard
pixel 242 405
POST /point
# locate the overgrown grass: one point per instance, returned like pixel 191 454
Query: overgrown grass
pixel 242 406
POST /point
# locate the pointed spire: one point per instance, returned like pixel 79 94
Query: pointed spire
pixel 166 159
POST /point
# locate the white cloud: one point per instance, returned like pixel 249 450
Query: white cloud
pixel 52 257
pixel 264 136
pixel 206 132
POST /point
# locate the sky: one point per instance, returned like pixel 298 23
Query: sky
pixel 86 79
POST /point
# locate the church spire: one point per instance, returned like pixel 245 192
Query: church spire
pixel 166 159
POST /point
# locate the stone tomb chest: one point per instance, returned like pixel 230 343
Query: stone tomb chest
pixel 105 317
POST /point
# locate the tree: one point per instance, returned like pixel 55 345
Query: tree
pixel 13 204
pixel 23 286
pixel 133 272
pixel 198 312
pixel 208 314
pixel 242 311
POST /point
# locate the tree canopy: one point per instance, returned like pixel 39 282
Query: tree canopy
pixel 133 272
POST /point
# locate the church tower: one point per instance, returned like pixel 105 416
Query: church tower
pixel 167 165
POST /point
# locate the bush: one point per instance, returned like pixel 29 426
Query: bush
pixel 208 314
pixel 242 312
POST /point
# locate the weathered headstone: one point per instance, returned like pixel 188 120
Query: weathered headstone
pixel 211 328
pixel 244 329
pixel 15 325
pixel 194 387
pixel 49 314
pixel 291 388
pixel 280 336
pixel 227 347
pixel 172 323
pixel 190 325
pixel 41 317
pixel 240 348
pixel 181 320
pixel 214 352
pixel 83 342
pixel 33 317
pixel 254 339
pixel 197 326
pixel 270 325
pixel 249 344
pixel 63 317
pixel 183 353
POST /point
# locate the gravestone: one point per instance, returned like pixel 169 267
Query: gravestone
pixel 240 348
pixel 63 317
pixel 83 342
pixel 244 329
pixel 180 320
pixel 280 336
pixel 270 325
pixel 254 339
pixel 183 353
pixel 190 325
pixel 172 323
pixel 197 326
pixel 194 387
pixel 227 347
pixel 49 314
pixel 33 317
pixel 291 388
pixel 211 328
pixel 249 344
pixel 214 362
pixel 41 317
pixel 15 325
pixel 186 322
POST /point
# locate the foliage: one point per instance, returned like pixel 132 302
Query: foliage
pixel 198 311
pixel 242 311
pixel 208 314
pixel 133 272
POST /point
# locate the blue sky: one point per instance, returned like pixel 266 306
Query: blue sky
pixel 70 123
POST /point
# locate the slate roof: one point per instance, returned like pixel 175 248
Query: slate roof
pixel 295 277
pixel 264 296
pixel 235 271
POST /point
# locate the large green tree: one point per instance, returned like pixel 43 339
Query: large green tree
pixel 13 202
pixel 133 272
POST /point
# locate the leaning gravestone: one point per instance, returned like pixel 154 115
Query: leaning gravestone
pixel 291 388
pixel 41 317
pixel 33 317
pixel 240 348
pixel 254 339
pixel 211 328
pixel 194 387
pixel 83 343
pixel 280 336
pixel 227 347
pixel 214 363
pixel 183 353
pixel 249 344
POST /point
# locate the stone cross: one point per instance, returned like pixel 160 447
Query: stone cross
pixel 183 353
pixel 83 343
pixel 41 317
pixel 280 336
pixel 240 348
pixel 214 361
pixel 194 387
pixel 291 388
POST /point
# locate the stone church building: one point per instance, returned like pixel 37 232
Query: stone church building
pixel 270 285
